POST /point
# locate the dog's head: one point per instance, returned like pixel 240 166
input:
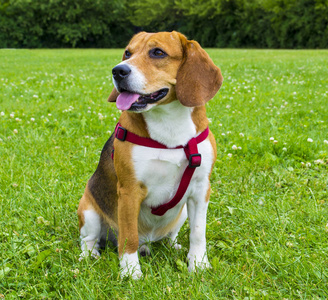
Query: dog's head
pixel 159 68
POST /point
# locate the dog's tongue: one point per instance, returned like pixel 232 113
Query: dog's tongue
pixel 125 100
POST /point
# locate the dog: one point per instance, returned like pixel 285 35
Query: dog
pixel 154 170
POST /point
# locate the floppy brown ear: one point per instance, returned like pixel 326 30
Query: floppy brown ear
pixel 113 95
pixel 198 78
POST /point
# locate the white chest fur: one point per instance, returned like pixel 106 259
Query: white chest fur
pixel 161 169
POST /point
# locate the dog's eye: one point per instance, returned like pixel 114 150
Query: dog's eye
pixel 157 53
pixel 127 54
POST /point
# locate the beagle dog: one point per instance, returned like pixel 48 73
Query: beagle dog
pixel 154 170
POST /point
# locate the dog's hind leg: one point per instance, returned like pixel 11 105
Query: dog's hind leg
pixel 92 229
pixel 90 234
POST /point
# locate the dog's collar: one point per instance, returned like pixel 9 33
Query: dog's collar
pixel 190 150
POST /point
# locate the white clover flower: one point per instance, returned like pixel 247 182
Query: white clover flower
pixel 2 113
pixel 35 96
pixel 275 142
pixel 220 124
pixel 308 164
pixel 239 148
pixel 15 131
pixel 229 154
pixel 289 244
pixel 325 141
pixel 284 149
pixel 12 115
pixel 234 147
pixel 241 134
pixel 271 138
pixel 319 162
pixel 41 220
pixel 32 119
pixel 309 140
pixel 223 133
pixel 76 271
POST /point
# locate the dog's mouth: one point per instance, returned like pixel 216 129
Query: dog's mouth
pixel 132 101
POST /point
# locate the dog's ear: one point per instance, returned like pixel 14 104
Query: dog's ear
pixel 198 78
pixel 113 95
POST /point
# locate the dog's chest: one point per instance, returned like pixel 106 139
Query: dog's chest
pixel 160 170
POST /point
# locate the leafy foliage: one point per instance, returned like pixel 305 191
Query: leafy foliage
pixel 215 23
pixel 57 23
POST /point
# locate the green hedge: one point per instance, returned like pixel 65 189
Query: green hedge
pixel 57 23
pixel 214 23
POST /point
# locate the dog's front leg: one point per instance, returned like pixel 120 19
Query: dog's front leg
pixel 128 240
pixel 197 210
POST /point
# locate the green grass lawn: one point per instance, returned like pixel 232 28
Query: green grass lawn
pixel 267 226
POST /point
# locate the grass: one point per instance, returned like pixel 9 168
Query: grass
pixel 267 231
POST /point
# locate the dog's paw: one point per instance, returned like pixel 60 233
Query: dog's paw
pixel 198 262
pixel 174 244
pixel 130 266
pixel 86 253
pixel 144 250
pixel 134 272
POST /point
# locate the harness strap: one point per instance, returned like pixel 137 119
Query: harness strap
pixel 191 152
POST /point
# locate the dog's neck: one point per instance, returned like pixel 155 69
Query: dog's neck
pixel 170 124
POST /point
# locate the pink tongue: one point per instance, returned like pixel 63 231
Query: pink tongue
pixel 125 100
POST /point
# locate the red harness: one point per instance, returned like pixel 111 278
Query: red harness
pixel 190 150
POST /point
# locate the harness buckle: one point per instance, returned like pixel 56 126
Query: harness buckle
pixel 121 133
pixel 195 160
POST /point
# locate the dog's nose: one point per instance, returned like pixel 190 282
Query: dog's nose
pixel 120 72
